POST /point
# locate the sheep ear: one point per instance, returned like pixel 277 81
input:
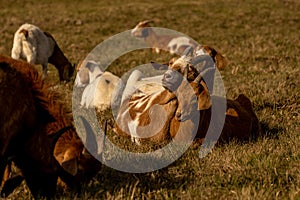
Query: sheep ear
pixel 56 135
pixel 204 100
pixel 198 79
pixel 146 22
pixel 221 61
pixel 71 166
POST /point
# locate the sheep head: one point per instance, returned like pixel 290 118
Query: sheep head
pixel 173 76
pixel 217 57
pixel 67 72
pixel 141 29
pixel 192 96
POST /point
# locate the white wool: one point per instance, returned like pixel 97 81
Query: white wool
pixel 99 92
pixel 137 82
pixel 35 49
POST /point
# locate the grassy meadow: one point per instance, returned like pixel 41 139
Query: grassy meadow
pixel 259 38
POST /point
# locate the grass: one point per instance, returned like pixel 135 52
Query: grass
pixel 261 41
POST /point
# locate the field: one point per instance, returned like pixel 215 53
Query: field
pixel 261 41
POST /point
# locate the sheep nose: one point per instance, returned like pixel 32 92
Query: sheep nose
pixel 167 76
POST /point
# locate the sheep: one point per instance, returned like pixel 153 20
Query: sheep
pixel 172 43
pixel 146 117
pixel 146 113
pixel 23 135
pixel 38 47
pixel 163 115
pixel 69 150
pixel 99 86
pixel 240 120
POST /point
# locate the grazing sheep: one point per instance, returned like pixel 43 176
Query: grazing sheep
pixel 38 47
pixel 173 44
pixel 48 113
pixel 23 135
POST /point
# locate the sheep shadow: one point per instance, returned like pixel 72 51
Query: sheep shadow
pixel 270 132
pixel 112 181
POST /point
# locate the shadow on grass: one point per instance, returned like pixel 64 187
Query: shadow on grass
pixel 112 181
pixel 271 132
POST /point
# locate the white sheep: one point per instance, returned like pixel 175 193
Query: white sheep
pixel 138 83
pixel 99 86
pixel 173 43
pixel 99 92
pixel 39 47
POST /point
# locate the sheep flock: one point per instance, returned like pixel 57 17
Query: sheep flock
pixel 40 144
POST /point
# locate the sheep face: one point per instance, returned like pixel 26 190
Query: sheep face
pixel 78 162
pixel 191 97
pixel 220 61
pixel 87 72
pixel 141 29
pixel 172 78
pixel 67 72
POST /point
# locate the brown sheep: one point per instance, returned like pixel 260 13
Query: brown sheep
pixel 175 44
pixel 23 135
pixel 240 121
pixel 69 150
pixel 141 116
pixel 68 140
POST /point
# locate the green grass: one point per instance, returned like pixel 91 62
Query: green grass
pixel 261 41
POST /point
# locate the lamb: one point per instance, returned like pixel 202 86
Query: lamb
pixel 38 47
pixel 69 150
pixel 172 43
pixel 23 135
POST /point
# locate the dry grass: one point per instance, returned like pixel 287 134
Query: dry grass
pixel 261 41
